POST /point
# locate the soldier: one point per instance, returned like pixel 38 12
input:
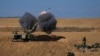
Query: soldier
pixel 84 43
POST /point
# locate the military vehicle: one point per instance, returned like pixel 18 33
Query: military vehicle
pixel 46 21
pixel 29 24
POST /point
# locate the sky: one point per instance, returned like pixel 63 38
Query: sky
pixel 60 8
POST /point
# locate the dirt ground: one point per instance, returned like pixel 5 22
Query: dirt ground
pixel 55 44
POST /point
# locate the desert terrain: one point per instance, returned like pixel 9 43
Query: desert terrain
pixel 59 43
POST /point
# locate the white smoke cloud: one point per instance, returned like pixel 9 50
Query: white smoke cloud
pixel 43 12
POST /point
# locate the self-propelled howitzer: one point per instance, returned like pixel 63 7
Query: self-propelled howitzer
pixel 29 24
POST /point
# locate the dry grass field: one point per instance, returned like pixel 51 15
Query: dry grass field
pixel 87 22
pixel 50 45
